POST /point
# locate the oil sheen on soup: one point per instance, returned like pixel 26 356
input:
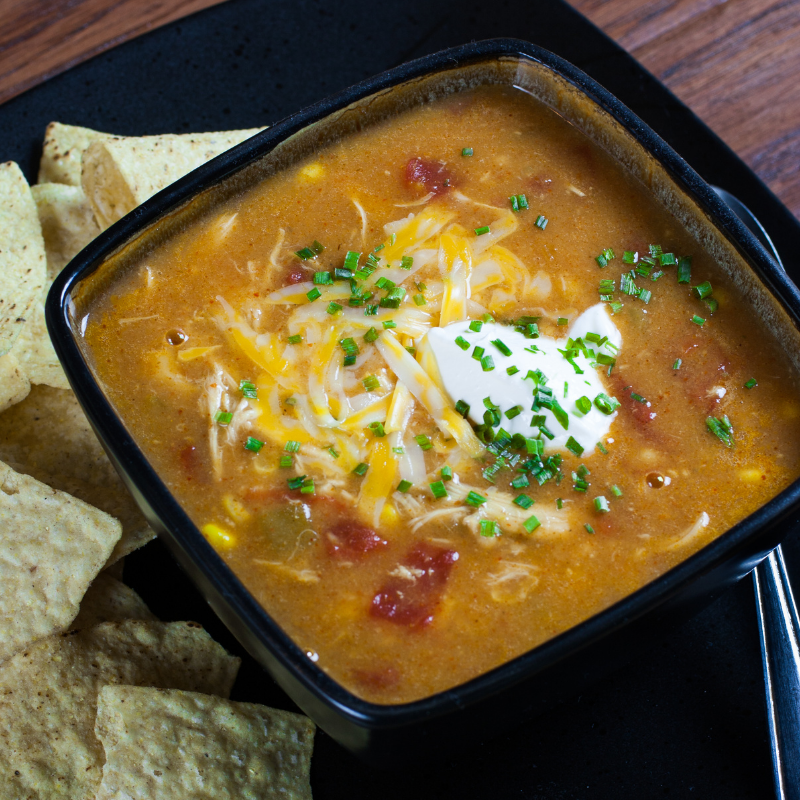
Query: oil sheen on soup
pixel 447 389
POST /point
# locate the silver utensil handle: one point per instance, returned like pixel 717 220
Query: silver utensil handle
pixel 779 629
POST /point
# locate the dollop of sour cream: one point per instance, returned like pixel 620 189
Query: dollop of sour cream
pixel 463 377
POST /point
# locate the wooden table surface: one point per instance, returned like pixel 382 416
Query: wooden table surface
pixel 736 63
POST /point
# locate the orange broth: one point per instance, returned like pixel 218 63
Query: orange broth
pixel 398 595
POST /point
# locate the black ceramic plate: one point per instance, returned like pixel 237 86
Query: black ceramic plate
pixel 686 720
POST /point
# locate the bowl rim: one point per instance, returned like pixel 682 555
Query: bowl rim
pixel 149 486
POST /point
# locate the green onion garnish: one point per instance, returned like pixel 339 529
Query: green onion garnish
pixel 388 324
pixel 371 335
pixel 225 417
pixel 702 290
pixel 462 408
pixel 722 429
pixel 360 469
pixel 541 222
pixel 751 383
pixel 305 253
pixel 475 326
pixel 602 448
pixel 487 363
pixel 638 398
pixel 474 499
pixel 248 389
pixel 438 490
pixel 520 482
pixel 467 151
pixel 419 300
pixel 698 320
pixel 523 501
pixel 488 527
pixel 501 346
pixel 616 491
pixel 462 342
pixel 371 383
pixel 254 445
pixel 285 461
pixel 378 429
pixel 483 229
pixel 514 411
pixel 677 364
pixel 601 504
pixel 583 404
pixel 562 321
pixel 446 473
pixel 313 294
pixel 559 503
pixel 307 487
pixel 406 262
pixel 296 339
pixel 531 524
pixel 477 353
pixel 333 452
pixel 322 278
pixel 574 446
pixel 351 260
pixel 589 528
pixel 292 446
pixel 423 441
pixel 630 257
pixel 333 308
pixel 296 483
pixel 684 269
pixel 512 370
pixel 404 486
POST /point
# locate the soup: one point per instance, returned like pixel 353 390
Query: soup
pixel 446 389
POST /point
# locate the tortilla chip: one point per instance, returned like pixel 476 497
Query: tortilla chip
pixel 34 351
pixel 14 385
pixel 120 173
pixel 51 547
pixel 48 437
pixel 48 698
pixel 164 744
pixel 61 154
pixel 110 600
pixel 67 223
pixel 22 257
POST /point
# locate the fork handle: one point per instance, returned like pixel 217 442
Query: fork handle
pixel 779 630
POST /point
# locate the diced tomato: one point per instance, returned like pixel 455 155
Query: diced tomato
pixel 295 274
pixel 410 595
pixel 349 540
pixel 703 371
pixel 431 176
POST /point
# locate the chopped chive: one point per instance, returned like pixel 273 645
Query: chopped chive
pixel 462 408
pixel 360 469
pixel 487 363
pixel 467 151
pixel 483 229
pixel 520 482
pixel 562 321
pixel 722 429
pixel 606 286
pixel 423 441
pixel 514 411
pixel 512 370
pixel 501 346
pixel 404 486
pixel 702 290
pixel 475 326
pixel 351 260
pixel 645 295
pixel 559 503
pixel 322 278
pixel 385 283
pixel 446 473
pixel 307 487
pixel 371 383
pixel 411 350
pixel 333 452
pixel 371 335
pixel 388 324
pixel 252 444
pixel 638 398
pixel 583 404
pixel 398 450
pixel 248 389
pixel 438 490
pixel 531 524
pixel 523 501
pixel 601 504
pixel 488 527
pixel 541 222
pixel 313 294
pixel 285 461
pixel 583 471
pixel 305 254
pixel 751 383
pixel 474 499
pixel 574 446
pixel 616 491
pixel 615 307
pixel 406 262
pixel 589 528
pixel 677 364
pixel 602 448
pixel 370 310
pixel 514 202
pixel 296 483
pixel 296 339
pixel 684 269
pixel 292 446
pixel 342 274
pixel 377 428
pixel 225 417
pixel 698 320
pixel 419 300
pixel 711 304
pixel 333 308
pixel 462 342
pixel 630 257
pixel 477 353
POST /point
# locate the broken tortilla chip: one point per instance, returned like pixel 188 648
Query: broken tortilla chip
pixel 67 223
pixel 22 256
pixel 110 600
pixel 120 173
pixel 165 744
pixel 51 547
pixel 61 153
pixel 48 437
pixel 48 698
pixel 34 351
pixel 14 386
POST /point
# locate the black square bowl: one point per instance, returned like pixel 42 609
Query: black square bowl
pixel 562 666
